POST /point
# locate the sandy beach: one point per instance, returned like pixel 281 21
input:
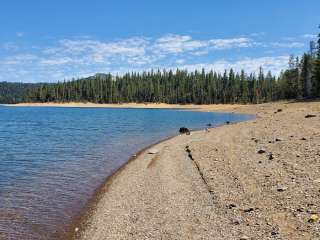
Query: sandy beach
pixel 213 107
pixel 251 180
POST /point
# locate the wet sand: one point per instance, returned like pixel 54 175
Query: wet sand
pixel 251 180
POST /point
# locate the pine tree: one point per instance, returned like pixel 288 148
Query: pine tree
pixel 316 76
pixel 306 75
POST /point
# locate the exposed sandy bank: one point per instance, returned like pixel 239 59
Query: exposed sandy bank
pixel 228 190
pixel 212 107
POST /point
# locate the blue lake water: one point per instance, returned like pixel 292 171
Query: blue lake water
pixel 53 159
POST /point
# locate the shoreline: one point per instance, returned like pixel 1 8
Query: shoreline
pixel 81 220
pixel 202 107
pixel 124 196
pixel 86 212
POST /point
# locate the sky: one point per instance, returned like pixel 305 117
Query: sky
pixel 50 41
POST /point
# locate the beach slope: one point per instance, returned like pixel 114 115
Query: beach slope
pixel 251 180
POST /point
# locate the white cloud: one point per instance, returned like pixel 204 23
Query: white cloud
pixel 230 43
pixel 288 44
pixel 250 65
pixel 309 36
pixel 81 56
pixel 176 44
pixel 19 59
pixel 180 61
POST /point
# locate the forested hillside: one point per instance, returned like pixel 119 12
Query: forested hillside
pixel 300 80
pixel 16 92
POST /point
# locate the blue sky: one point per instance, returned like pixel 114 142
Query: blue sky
pixel 47 41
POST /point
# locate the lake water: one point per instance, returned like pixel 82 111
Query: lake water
pixel 52 159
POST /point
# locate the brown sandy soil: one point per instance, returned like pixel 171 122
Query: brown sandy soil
pixel 228 190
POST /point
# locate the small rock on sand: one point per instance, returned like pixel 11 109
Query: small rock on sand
pixel 313 218
pixel 153 151
pixel 244 237
pixel 271 156
pixel 281 189
pixel 310 116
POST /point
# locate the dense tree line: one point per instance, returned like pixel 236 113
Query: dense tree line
pixel 16 92
pixel 300 80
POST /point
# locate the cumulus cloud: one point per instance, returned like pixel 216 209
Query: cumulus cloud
pixel 230 43
pixel 176 44
pixel 78 57
pixel 18 59
pixel 250 65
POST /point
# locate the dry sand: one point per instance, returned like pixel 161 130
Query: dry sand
pixel 223 188
pixel 213 107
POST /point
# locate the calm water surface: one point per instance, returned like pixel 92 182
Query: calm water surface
pixel 52 159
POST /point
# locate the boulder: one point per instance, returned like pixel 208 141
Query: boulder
pixel 184 130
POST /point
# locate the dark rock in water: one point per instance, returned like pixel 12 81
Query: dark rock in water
pixel 261 151
pixel 310 116
pixel 209 124
pixel 185 130
pixel 227 122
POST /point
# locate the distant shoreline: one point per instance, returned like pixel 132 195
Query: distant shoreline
pixel 204 107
